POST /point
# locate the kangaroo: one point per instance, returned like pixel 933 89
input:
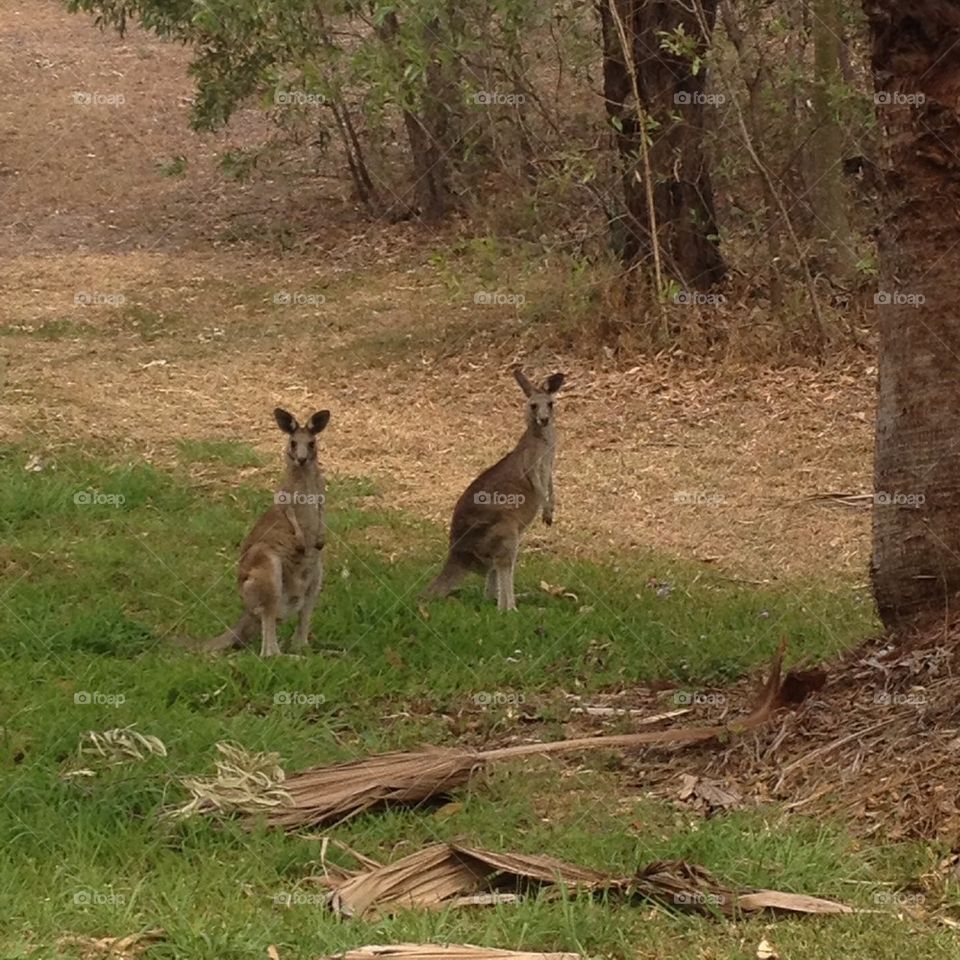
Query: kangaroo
pixel 503 501
pixel 281 567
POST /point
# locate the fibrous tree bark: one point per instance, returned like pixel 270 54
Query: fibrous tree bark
pixel 916 514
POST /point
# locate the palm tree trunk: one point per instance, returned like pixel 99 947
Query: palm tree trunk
pixel 916 516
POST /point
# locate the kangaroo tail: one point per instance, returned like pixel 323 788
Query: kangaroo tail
pixel 239 635
pixel 447 580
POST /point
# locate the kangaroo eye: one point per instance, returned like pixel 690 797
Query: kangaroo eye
pixel 550 404
pixel 312 445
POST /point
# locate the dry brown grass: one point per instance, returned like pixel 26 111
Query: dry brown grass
pixel 417 380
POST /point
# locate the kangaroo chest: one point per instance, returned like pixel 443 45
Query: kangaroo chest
pixel 305 503
pixel 310 511
pixel 540 472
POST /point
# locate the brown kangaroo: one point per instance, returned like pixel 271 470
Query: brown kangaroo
pixel 503 501
pixel 281 566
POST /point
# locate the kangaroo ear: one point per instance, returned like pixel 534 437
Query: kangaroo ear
pixel 318 421
pixel 287 422
pixel 525 385
pixel 553 383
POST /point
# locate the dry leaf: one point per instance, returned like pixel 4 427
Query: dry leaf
pixel 708 796
pixel 118 948
pixel 446 951
pixel 776 900
pixel 556 591
pixel 767 951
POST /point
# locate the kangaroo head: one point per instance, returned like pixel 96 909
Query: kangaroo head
pixel 539 399
pixel 302 447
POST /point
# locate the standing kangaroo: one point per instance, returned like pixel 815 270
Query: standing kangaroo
pixel 281 567
pixel 503 501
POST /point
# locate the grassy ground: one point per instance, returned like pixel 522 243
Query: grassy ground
pixel 105 564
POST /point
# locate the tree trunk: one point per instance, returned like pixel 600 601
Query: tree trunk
pixel 426 126
pixel 829 203
pixel 429 168
pixel 916 514
pixel 756 80
pixel 673 99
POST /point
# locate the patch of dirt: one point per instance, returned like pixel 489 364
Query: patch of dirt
pixel 702 462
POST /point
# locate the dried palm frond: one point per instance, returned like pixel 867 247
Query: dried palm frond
pixel 120 744
pixel 448 874
pixel 107 748
pixel 244 783
pixel 451 875
pixel 343 790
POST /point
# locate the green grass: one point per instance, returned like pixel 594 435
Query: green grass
pixel 58 328
pixel 224 452
pixel 104 564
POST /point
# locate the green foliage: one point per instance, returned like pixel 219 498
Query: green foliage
pixel 175 167
pixel 239 164
pixel 679 43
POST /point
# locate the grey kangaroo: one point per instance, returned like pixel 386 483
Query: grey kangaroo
pixel 281 565
pixel 503 501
